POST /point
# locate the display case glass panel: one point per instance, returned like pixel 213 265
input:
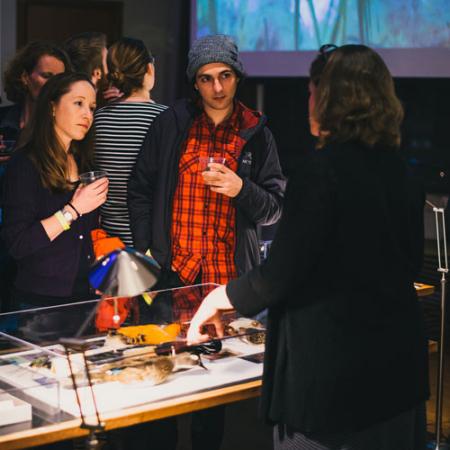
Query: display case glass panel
pixel 123 352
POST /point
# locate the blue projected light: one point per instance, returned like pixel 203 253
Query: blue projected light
pixel 280 37
pixel 289 25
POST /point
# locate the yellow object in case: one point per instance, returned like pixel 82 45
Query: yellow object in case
pixel 150 334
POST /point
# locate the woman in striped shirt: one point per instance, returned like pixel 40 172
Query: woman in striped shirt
pixel 122 126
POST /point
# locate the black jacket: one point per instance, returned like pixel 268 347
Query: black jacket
pixel 154 179
pixel 345 346
pixel 44 267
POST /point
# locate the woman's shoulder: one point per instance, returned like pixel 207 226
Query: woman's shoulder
pixel 130 114
pixel 350 154
pixel 316 161
pixel 351 148
pixel 313 168
pixel 158 106
pixel 130 106
pixel 20 168
pixel 21 160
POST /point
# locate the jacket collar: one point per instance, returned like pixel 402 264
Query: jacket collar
pixel 186 110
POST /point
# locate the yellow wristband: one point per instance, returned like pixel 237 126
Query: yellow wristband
pixel 147 297
pixel 62 220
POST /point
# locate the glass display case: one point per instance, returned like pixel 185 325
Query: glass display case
pixel 92 358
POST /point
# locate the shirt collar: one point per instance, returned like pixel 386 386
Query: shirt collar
pixel 231 122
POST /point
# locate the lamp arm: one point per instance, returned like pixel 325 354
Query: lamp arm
pixel 439 215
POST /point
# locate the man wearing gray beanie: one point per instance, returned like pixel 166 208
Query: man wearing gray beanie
pixel 215 48
pixel 207 176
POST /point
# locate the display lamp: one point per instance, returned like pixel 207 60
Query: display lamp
pixel 123 273
pixel 120 273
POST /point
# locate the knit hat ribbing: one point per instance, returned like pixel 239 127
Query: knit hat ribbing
pixel 210 49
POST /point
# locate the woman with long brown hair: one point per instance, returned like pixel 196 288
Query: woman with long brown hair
pixel 346 360
pixel 47 215
pixel 25 75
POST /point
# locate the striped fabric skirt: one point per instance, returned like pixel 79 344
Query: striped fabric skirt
pixel 404 432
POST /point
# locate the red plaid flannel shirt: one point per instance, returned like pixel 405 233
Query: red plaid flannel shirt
pixel 203 222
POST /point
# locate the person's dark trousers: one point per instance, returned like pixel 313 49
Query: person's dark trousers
pixel 207 428
pixel 7 275
pixel 208 425
pixel 159 435
pixel 63 445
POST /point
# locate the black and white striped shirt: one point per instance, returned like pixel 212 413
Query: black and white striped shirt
pixel 120 131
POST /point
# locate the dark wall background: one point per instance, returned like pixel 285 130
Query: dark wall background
pixel 164 27
pixel 425 129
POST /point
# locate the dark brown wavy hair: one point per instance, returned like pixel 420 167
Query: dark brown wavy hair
pixel 42 144
pixel 86 51
pixel 127 64
pixel 26 60
pixel 355 99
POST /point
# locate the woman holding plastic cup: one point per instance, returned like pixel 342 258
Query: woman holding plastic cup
pixel 48 214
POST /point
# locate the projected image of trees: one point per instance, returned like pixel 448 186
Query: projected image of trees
pixel 289 25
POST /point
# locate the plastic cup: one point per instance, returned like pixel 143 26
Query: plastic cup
pixel 89 177
pixel 204 162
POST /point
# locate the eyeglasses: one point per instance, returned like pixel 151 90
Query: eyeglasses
pixel 326 49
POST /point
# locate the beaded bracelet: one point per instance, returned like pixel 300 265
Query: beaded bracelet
pixel 75 209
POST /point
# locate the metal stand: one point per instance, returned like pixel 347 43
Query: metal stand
pixel 80 346
pixel 92 442
pixel 443 270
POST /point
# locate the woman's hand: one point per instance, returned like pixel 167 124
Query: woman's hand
pixel 111 93
pixel 209 311
pixel 90 197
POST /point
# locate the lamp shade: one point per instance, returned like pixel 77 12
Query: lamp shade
pixel 124 273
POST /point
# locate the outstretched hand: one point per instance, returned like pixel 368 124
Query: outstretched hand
pixel 209 311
